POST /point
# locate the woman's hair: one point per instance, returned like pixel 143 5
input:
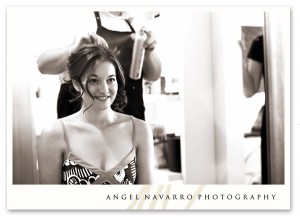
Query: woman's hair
pixel 85 58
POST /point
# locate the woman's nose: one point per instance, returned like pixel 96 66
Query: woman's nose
pixel 102 87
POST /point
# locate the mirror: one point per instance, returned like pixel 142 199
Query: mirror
pixel 254 110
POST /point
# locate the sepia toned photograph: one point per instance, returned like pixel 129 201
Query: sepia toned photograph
pixel 148 108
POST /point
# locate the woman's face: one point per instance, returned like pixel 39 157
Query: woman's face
pixel 102 84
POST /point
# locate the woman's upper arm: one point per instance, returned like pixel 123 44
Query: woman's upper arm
pixel 145 153
pixel 255 69
pixel 50 155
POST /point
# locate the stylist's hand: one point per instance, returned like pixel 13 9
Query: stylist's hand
pixel 89 38
pixel 150 42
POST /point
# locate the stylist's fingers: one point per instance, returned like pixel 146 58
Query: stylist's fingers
pixel 150 42
pixel 84 39
pixel 150 37
pixel 97 40
pixel 89 38
pixel 81 40
pixel 101 41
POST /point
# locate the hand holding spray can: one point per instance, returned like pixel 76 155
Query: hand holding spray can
pixel 138 54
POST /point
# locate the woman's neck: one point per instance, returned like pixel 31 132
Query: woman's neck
pixel 100 118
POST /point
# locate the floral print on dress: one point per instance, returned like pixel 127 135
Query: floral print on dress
pixel 75 174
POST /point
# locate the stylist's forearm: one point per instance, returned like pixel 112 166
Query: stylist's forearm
pixel 54 61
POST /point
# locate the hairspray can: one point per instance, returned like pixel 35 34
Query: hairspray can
pixel 138 55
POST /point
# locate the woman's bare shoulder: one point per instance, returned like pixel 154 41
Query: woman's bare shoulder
pixel 52 132
pixel 141 125
pixel 143 131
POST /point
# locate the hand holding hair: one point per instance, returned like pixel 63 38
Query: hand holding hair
pixel 89 38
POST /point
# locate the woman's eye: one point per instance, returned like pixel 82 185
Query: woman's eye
pixel 111 79
pixel 93 81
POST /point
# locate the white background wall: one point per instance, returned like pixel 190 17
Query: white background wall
pixel 198 150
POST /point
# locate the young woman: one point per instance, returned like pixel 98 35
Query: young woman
pixel 98 144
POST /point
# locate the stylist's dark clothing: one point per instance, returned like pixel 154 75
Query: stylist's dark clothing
pixel 66 105
pixel 122 44
pixel 256 52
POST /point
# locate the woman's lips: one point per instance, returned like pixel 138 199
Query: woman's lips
pixel 102 98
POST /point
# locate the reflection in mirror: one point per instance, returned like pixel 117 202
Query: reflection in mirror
pixel 254 138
